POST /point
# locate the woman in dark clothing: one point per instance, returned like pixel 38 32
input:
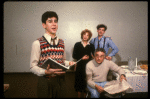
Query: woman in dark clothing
pixel 83 50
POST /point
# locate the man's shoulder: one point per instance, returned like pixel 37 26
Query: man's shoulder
pixel 36 43
pixel 40 38
pixel 90 63
pixel 106 62
pixel 61 39
pixel 93 38
pixel 109 62
pixel 108 38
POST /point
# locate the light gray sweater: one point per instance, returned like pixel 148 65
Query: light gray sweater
pixel 98 72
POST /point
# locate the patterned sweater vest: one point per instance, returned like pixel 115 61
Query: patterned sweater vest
pixel 55 52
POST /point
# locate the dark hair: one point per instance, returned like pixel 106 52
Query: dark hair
pixel 88 31
pixel 101 26
pixel 100 49
pixel 49 14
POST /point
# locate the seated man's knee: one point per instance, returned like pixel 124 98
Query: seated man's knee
pixel 94 93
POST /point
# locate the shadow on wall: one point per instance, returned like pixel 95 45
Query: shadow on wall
pixel 69 55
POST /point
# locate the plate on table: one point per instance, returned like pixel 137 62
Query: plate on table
pixel 140 72
pixel 124 66
pixel 126 70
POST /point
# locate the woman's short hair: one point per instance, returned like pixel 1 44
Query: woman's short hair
pixel 86 31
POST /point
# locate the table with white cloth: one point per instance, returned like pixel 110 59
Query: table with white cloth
pixel 139 81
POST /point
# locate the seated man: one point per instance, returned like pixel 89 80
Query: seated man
pixel 97 70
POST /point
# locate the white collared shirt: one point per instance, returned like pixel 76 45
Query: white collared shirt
pixel 48 38
pixel 35 55
pixel 84 45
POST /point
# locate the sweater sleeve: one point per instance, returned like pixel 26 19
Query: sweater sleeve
pixel 34 59
pixel 116 68
pixel 90 82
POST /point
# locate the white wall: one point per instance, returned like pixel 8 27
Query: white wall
pixel 127 24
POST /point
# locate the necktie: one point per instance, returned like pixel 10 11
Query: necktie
pixel 53 39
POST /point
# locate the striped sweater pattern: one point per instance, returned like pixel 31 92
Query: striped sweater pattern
pixel 55 52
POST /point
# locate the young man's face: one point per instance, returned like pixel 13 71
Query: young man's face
pixel 51 25
pixel 101 31
pixel 99 57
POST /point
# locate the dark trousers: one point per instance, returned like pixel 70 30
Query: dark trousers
pixel 51 88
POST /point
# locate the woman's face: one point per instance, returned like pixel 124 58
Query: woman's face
pixel 85 36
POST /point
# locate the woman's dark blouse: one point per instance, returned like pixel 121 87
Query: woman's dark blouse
pixel 80 75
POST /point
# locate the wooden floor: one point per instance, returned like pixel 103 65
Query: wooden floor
pixel 24 85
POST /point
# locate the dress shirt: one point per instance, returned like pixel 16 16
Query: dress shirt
pixel 108 44
pixel 35 55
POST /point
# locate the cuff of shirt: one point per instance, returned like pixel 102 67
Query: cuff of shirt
pixel 42 72
pixel 38 72
pixel 67 63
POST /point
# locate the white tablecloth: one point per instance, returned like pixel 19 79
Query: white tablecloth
pixel 139 82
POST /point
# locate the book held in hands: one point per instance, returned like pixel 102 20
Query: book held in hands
pixel 55 65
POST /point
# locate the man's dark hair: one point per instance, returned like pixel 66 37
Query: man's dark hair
pixel 101 26
pixel 49 14
pixel 100 49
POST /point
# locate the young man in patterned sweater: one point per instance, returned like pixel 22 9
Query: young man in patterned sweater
pixel 49 45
